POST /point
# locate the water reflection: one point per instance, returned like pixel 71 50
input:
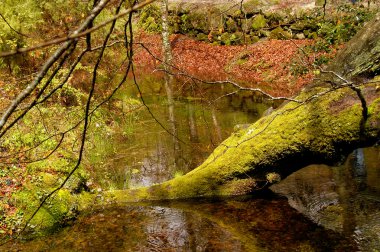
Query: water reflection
pixel 345 199
pixel 245 224
pixel 144 153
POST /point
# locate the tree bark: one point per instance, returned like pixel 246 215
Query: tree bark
pixel 360 59
pixel 167 64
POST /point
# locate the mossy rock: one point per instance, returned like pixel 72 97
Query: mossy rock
pixel 299 26
pixel 225 38
pixel 258 22
pixel 237 38
pixel 185 25
pixel 311 25
pixel 280 33
pixel 246 24
pixel 255 39
pixel 238 14
pixel 215 37
pixel 199 22
pixel 57 210
pixel 231 25
pixel 312 35
pixel 319 2
pixel 262 33
pixel 247 39
pixel 299 36
pixel 49 179
pixel 174 22
pixel 274 18
pixel 251 5
pixel 202 37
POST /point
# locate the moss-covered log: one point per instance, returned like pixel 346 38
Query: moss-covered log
pixel 323 130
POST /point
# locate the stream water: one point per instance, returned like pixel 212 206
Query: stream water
pixel 318 208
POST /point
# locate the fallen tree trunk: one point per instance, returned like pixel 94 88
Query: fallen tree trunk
pixel 323 127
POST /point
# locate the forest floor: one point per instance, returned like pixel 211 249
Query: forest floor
pixel 279 67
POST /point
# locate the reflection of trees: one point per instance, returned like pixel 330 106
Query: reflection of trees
pixel 346 190
pixel 172 228
pixel 259 225
pixel 218 130
pixel 194 137
pixel 340 198
pixel 167 63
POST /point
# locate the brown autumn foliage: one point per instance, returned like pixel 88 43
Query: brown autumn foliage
pixel 267 64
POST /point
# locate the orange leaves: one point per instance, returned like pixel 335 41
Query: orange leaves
pixel 265 64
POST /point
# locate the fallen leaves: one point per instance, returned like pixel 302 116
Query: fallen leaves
pixel 266 64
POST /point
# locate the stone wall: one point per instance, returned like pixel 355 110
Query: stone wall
pixel 234 24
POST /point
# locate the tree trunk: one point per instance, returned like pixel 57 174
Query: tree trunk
pixel 360 59
pixel 323 130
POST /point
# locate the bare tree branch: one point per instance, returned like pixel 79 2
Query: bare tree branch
pixel 345 81
pixel 79 32
pixel 34 102
pixel 85 126
pixel 45 68
pixel 236 85
pixel 10 26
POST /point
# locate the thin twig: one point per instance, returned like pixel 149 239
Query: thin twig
pixel 48 64
pixel 236 85
pixel 13 29
pixel 85 126
pixel 76 35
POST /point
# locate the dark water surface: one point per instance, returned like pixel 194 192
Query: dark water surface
pixel 318 208
pixel 250 224
pixel 326 209
pixel 345 199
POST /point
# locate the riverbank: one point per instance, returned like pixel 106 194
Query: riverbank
pixel 280 66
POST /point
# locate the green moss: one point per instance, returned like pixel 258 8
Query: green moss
pixel 49 179
pixel 196 21
pixel 315 127
pixel 231 25
pixel 255 39
pixel 280 33
pixel 225 38
pixel 150 20
pixel 237 187
pixel 202 37
pixel 258 22
pixel 61 207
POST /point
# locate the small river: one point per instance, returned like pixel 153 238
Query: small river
pixel 318 208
